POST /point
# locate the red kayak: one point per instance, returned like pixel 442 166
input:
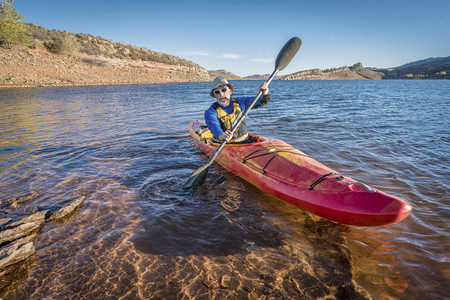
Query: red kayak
pixel 289 174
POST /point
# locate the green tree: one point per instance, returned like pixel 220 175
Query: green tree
pixel 12 29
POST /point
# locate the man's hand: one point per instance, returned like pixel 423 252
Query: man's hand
pixel 264 88
pixel 226 136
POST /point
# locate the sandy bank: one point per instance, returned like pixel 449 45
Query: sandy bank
pixel 24 67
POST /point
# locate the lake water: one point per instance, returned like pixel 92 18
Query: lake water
pixel 127 149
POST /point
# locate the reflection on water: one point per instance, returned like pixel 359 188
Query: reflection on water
pixel 138 236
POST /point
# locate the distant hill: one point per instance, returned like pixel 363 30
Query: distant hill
pixel 228 75
pixel 357 71
pixel 429 61
pixel 223 73
pixel 430 68
pixel 257 77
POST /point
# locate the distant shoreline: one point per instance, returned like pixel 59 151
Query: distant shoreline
pixel 38 67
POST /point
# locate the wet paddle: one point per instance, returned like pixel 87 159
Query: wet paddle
pixel 284 57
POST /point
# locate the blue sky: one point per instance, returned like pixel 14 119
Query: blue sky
pixel 244 37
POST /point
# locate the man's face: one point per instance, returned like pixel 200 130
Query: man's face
pixel 223 94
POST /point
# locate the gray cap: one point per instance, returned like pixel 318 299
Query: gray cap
pixel 218 81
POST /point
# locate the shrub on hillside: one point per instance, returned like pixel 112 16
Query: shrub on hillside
pixel 61 44
pixel 356 66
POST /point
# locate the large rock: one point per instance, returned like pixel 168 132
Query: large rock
pixel 23 227
pixel 17 237
pixel 68 209
pixel 18 232
pixel 40 217
pixel 4 221
pixel 16 252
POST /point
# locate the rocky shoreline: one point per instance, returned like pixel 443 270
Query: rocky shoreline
pixel 27 67
pixel 17 236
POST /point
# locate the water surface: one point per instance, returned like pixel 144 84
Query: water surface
pixel 127 149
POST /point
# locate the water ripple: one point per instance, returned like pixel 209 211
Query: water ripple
pixel 126 148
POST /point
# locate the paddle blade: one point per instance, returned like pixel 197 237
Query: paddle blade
pixel 197 177
pixel 287 53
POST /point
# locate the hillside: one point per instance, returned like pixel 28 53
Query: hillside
pixel 258 77
pixel 64 58
pixel 224 74
pixel 59 58
pixel 357 71
pixel 231 76
pixel 430 68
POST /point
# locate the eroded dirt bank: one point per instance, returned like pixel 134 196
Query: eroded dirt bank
pixel 23 67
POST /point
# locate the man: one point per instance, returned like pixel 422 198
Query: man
pixel 221 115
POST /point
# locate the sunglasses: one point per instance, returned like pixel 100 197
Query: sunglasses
pixel 223 90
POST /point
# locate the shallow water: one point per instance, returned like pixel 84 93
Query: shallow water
pixel 127 149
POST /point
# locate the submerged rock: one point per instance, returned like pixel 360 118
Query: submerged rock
pixel 40 217
pixel 4 221
pixel 67 210
pixel 16 240
pixel 16 252
pixel 16 201
pixel 16 237
pixel 22 227
pixel 18 232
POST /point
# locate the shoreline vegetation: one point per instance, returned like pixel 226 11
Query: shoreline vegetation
pixel 61 58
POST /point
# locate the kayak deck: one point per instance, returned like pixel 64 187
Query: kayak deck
pixel 291 175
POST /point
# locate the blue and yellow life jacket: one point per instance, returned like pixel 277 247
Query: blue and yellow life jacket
pixel 226 121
